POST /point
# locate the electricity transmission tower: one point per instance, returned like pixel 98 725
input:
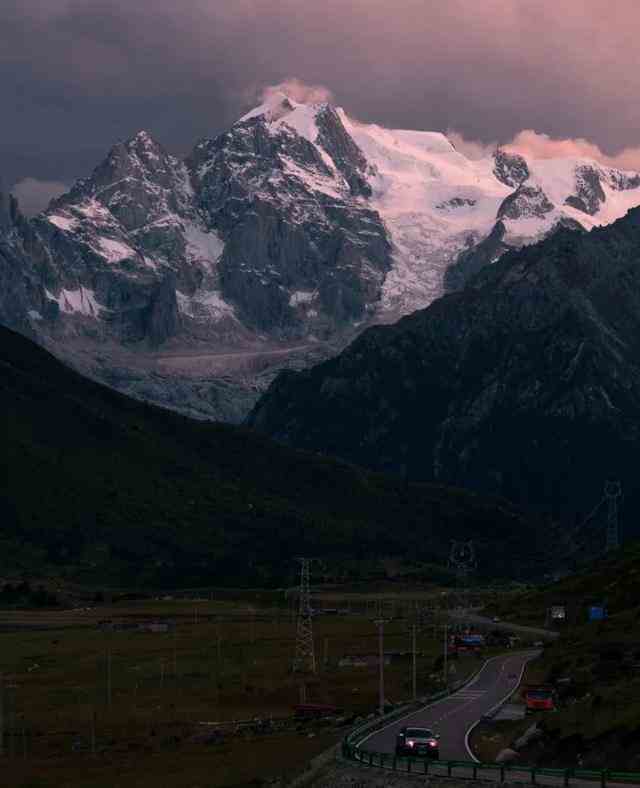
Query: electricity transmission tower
pixel 612 493
pixel 305 658
pixel 462 559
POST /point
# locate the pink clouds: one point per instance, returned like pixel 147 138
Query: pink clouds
pixel 99 68
pixel 298 91
pixel 542 146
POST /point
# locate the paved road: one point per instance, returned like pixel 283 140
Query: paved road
pixel 453 716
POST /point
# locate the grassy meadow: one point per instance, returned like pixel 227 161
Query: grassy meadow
pixel 90 708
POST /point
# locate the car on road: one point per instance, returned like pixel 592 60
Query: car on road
pixel 418 742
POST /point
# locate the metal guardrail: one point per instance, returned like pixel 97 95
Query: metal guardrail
pixel 495 771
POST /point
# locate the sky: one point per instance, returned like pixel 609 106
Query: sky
pixel 78 75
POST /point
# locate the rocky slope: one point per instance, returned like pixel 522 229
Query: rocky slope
pixel 132 494
pixel 526 383
pixel 297 225
pixel 593 666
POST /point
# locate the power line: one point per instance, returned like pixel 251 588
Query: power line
pixel 577 538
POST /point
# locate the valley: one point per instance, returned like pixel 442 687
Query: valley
pixel 320 394
pixel 132 493
pixel 198 676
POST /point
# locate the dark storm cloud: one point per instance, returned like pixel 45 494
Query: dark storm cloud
pixel 82 73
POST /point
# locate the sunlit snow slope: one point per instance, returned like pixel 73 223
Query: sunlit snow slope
pixel 298 222
pixel 436 202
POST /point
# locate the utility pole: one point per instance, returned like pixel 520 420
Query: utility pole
pixel 1 715
pixel 445 657
pixel 305 659
pixel 108 667
pixel 175 654
pixel 93 730
pixel 612 492
pixel 380 622
pixel 414 676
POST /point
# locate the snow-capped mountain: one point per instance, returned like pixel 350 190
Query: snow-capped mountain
pixel 298 224
pixel 437 204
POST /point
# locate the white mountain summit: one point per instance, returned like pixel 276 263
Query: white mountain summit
pixel 297 224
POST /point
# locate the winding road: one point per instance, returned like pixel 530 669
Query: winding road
pixel 454 716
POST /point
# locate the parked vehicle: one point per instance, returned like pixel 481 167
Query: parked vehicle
pixel 418 742
pixel 539 698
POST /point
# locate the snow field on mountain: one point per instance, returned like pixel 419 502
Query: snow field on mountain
pixel 114 251
pixel 281 110
pixel 415 175
pixel 433 201
pixel 65 223
pixel 203 246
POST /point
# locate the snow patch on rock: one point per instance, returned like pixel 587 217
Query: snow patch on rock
pixel 81 301
pixel 302 297
pixel 66 223
pixel 203 246
pixel 205 306
pixel 114 251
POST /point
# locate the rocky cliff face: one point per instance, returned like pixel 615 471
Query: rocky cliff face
pixel 526 383
pixel 510 168
pixel 297 226
pixel 303 253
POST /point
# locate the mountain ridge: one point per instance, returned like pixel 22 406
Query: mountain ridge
pixel 298 223
pixel 525 383
pixel 129 493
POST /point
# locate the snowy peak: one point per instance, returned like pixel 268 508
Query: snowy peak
pixel 321 125
pixel 510 168
pixel 299 221
pixel 280 110
pixel 140 157
pixel 136 182
pixel 526 202
pixel 434 203
pixel 589 194
pixel 277 106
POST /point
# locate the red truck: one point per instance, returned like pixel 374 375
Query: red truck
pixel 539 697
